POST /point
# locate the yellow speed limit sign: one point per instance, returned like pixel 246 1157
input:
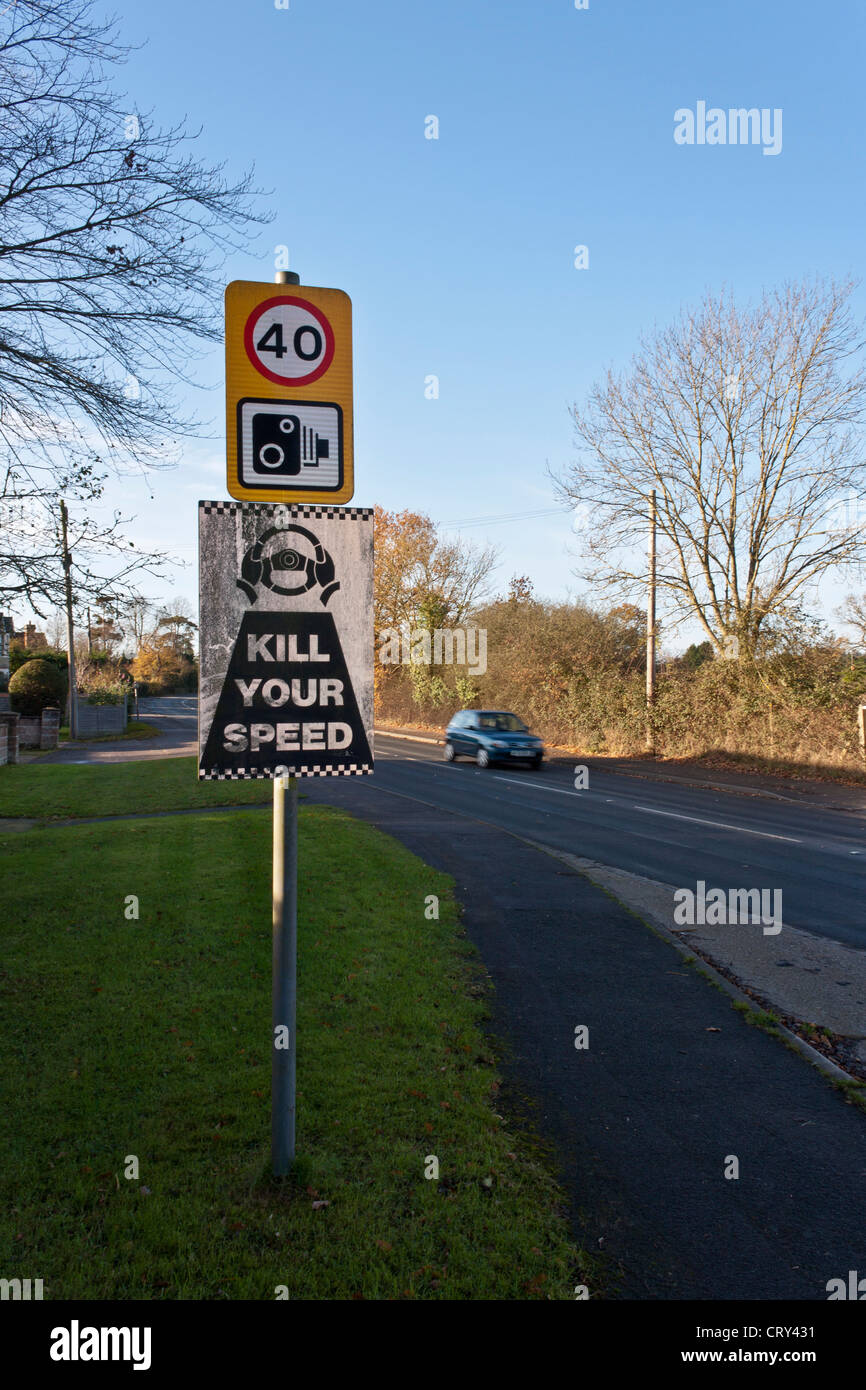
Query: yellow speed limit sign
pixel 288 393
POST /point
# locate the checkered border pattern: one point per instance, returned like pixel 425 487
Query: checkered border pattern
pixel 310 511
pixel 242 774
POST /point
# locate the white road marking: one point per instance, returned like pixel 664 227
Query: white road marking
pixel 720 825
pixel 674 815
pixel 521 782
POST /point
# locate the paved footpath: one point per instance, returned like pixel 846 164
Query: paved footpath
pixel 674 1083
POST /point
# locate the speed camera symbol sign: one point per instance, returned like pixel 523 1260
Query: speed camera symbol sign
pixel 289 340
pixel 288 393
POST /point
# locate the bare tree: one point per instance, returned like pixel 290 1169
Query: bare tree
pixel 746 423
pixel 71 563
pixel 175 621
pixel 55 630
pixel 134 614
pixel 853 614
pixel 105 566
pixel 111 234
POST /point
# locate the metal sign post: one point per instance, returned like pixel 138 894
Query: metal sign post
pixel 284 989
pixel 286 598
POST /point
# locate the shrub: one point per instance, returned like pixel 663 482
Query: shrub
pixel 101 686
pixel 36 685
pixel 106 695
pixel 19 656
pixel 466 690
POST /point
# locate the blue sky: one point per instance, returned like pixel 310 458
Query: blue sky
pixel 556 129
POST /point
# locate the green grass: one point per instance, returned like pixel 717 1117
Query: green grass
pixel 53 791
pixel 151 1037
pixel 759 1018
pixel 136 728
pixel 853 1091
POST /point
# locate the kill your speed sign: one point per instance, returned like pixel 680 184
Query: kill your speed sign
pixel 286 637
pixel 288 393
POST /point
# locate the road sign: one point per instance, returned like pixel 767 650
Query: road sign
pixel 288 393
pixel 286 640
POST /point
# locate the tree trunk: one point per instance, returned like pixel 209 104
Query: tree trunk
pixel 72 702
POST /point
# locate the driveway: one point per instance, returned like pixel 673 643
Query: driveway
pixel 176 718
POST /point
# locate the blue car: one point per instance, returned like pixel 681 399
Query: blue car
pixel 491 736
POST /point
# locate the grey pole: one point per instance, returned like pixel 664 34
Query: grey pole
pixel 651 630
pixel 285 949
pixel 70 623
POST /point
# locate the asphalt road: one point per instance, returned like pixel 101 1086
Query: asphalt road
pixel 660 830
pixel 670 832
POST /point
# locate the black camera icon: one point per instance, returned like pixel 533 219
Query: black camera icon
pixel 286 561
pixel 283 445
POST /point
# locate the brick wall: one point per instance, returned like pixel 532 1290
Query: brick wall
pixel 50 730
pixel 9 723
pixel 29 731
pixel 39 731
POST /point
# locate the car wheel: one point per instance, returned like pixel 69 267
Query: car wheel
pixel 450 755
pixel 538 763
pixel 482 757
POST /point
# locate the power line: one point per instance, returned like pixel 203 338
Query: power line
pixel 502 518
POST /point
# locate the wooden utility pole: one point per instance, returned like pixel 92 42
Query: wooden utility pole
pixel 651 629
pixel 70 627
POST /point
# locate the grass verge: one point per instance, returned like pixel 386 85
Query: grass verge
pixel 853 1091
pixel 57 791
pixel 150 1038
pixel 136 728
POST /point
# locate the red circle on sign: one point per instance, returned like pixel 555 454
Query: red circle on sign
pixel 320 319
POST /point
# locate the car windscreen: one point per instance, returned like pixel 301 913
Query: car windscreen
pixel 501 723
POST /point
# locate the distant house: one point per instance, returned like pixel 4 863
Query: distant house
pixel 30 639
